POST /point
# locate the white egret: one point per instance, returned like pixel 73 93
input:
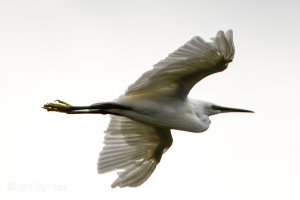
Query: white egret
pixel 141 119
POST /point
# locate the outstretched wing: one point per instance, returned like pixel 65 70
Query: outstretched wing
pixel 132 148
pixel 182 69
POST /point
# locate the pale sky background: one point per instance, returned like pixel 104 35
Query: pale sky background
pixel 88 51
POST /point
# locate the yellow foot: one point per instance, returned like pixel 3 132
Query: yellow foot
pixel 60 106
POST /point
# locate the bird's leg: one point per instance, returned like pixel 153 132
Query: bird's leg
pixel 99 108
pixel 63 107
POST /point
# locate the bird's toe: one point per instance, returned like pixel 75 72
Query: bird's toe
pixel 60 106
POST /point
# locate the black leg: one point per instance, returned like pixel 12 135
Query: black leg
pixel 99 108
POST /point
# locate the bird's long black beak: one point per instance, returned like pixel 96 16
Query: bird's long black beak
pixel 226 109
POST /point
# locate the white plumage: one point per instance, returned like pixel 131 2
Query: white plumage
pixel 182 69
pixel 130 146
pixel 139 130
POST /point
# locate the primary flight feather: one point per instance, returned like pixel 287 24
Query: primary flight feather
pixel 139 130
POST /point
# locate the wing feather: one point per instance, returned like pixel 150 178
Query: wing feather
pixel 182 69
pixel 132 148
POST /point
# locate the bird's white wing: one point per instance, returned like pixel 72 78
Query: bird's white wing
pixel 182 69
pixel 132 148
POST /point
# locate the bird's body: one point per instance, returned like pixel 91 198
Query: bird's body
pixel 139 130
pixel 187 114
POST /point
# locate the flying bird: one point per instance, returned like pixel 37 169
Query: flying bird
pixel 139 132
